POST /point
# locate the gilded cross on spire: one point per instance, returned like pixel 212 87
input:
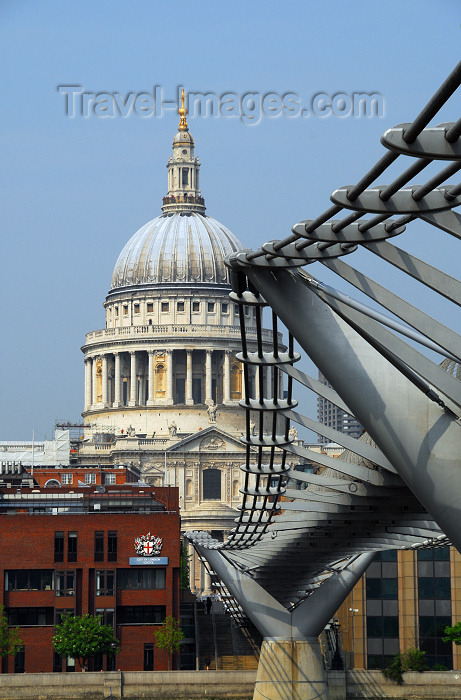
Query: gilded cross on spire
pixel 182 111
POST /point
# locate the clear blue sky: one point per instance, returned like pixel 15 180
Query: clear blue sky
pixel 74 190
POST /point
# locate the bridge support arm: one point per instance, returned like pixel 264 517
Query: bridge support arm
pixel 417 436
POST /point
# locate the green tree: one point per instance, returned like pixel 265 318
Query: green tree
pixel 393 672
pixel 410 660
pixel 414 660
pixel 169 637
pixel 83 637
pixel 184 576
pixel 453 634
pixel 10 641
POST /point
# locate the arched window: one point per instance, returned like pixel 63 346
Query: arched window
pixel 212 485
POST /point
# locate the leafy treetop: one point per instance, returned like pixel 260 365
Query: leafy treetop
pixel 169 636
pixel 83 637
pixel 453 634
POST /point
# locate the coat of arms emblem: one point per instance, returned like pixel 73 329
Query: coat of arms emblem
pixel 148 545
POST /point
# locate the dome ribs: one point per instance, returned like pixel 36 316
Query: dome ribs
pixel 174 249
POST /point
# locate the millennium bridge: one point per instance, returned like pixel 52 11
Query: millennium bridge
pixel 302 540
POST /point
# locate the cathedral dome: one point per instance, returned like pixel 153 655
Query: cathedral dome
pixel 176 248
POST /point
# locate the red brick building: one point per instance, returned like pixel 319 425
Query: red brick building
pixel 74 476
pixel 64 549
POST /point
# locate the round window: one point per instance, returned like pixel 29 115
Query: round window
pixel 184 152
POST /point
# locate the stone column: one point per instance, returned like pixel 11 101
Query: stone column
pixel 268 382
pixel 105 402
pixel 150 365
pixel 94 382
pixel 226 378
pixel 142 390
pixel 133 379
pixel 169 377
pixel 189 399
pixel 208 383
pixel 117 381
pixel 88 362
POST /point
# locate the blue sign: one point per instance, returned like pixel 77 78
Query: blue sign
pixel 148 561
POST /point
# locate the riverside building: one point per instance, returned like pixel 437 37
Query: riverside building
pixel 107 550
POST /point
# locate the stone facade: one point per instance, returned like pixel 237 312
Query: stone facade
pixel 162 381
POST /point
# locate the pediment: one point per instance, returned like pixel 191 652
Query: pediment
pixel 209 441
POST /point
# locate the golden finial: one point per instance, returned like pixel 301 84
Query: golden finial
pixel 182 111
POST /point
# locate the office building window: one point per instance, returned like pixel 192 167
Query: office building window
pixel 60 613
pixel 382 610
pixel 148 657
pixel 434 605
pixel 109 478
pixel 72 546
pixel 59 546
pixel 29 580
pixel 90 478
pixel 141 579
pixel 140 614
pixel 112 546
pixel 99 546
pixel 64 583
pixel 57 662
pixel 20 660
pixel 107 616
pixel 105 581
pixel 30 617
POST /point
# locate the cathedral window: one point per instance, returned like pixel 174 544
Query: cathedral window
pixel 211 307
pixel 236 382
pixel 224 308
pixel 195 307
pixel 180 306
pixel 185 176
pixel 136 308
pixel 212 485
pixel 116 311
pixel 160 379
pixel 165 306
pixel 125 310
pixel 150 307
